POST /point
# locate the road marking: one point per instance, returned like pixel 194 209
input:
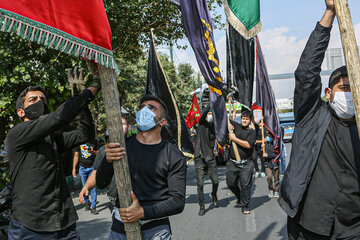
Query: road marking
pixel 251 222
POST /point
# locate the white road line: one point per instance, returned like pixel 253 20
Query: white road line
pixel 251 222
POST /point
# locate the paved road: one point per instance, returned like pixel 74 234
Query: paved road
pixel 266 221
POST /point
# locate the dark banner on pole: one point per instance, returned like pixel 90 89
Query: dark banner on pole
pixel 175 131
pixel 199 30
pixel 240 54
pixel 265 99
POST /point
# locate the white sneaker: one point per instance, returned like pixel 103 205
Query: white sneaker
pixel 271 194
pixel 276 194
pixel 262 174
pixel 257 174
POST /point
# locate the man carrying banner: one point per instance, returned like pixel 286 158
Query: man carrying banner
pixel 205 158
pixel 241 171
pixel 42 205
pixel 157 171
pixel 320 189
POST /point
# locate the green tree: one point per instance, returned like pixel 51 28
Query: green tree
pixel 25 63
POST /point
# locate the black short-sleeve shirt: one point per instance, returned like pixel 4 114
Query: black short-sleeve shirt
pixel 248 135
pixel 86 159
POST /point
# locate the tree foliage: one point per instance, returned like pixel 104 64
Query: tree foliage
pixel 25 63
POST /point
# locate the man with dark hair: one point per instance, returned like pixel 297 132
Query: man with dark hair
pixel 42 205
pixel 85 155
pixel 205 158
pixel 157 171
pixel 320 190
pixel 241 171
pixel 21 99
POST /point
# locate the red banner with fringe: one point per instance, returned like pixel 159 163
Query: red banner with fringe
pixel 78 28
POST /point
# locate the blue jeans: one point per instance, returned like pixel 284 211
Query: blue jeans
pixel 18 231
pixel 84 174
pixel 161 232
pixel 282 163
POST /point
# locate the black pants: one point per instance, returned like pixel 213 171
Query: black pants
pixel 258 153
pixel 297 232
pixel 244 175
pixel 200 164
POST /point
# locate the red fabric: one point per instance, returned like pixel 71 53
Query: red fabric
pixel 193 116
pixel 84 19
pixel 254 107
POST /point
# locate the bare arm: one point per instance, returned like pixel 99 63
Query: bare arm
pixel 329 15
pixel 88 186
pixel 242 143
pixel 75 163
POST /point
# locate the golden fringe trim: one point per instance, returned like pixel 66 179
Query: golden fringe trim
pixel 238 25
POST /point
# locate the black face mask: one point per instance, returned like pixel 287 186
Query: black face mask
pixel 36 110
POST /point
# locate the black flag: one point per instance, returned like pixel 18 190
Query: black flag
pixel 175 131
pixel 240 54
pixel 265 99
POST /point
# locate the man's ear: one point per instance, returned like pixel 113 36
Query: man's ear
pixel 163 122
pixel 21 113
pixel 328 94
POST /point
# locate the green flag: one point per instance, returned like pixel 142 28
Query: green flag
pixel 244 16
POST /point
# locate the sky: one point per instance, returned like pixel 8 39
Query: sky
pixel 287 24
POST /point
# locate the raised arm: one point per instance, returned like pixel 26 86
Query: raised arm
pixel 307 95
pixel 84 132
pixel 30 132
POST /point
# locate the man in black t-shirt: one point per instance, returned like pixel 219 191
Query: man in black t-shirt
pixel 85 154
pixel 91 181
pixel 241 171
pixel 157 171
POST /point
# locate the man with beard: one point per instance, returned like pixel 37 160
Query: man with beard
pixel 320 190
pixel 241 171
pixel 42 205
pixel 205 158
pixel 157 171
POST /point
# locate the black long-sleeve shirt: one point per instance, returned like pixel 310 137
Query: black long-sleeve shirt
pixel 158 177
pixel 41 198
pixel 332 202
pixel 205 138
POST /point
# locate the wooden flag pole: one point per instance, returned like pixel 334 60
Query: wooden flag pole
pixel 236 150
pixel 351 53
pixel 262 133
pixel 114 125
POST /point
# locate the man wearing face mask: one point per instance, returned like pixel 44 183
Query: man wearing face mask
pixel 205 158
pixel 320 190
pixel 157 171
pixel 42 205
pixel 272 167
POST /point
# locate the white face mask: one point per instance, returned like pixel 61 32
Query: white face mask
pixel 209 118
pixel 343 105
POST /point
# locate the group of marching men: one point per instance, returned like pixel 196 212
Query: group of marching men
pixel 240 162
pixel 320 190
